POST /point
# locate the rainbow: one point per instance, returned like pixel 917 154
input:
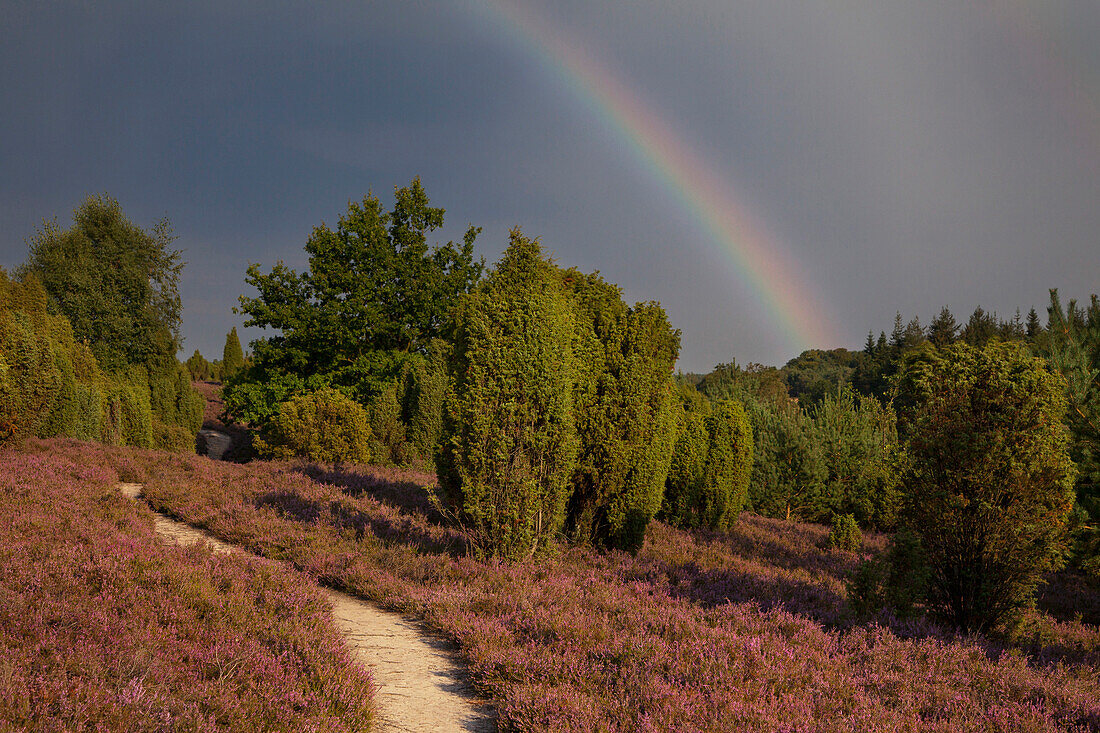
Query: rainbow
pixel 761 260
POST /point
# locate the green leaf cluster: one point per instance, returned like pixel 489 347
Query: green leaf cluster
pixel 374 296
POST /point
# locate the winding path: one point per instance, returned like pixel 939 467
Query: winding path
pixel 420 686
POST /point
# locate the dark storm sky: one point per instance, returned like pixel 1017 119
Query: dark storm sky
pixel 906 155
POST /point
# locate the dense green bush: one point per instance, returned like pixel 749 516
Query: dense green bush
pixel 127 417
pixel 989 482
pixel 728 469
pixel 322 426
pixel 388 443
pixel 845 533
pixel 898 580
pixel 421 391
pixel 117 287
pixel 509 447
pixel 686 473
pixel 50 385
pixel 624 410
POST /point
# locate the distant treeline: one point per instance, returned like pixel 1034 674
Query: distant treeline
pixel 89 329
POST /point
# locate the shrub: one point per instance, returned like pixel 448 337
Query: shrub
pixel 684 485
pixel 509 447
pixel 172 437
pixel 897 581
pixel 127 418
pixel 388 446
pixel 321 426
pixel 421 390
pixel 625 413
pixel 845 534
pixel 989 482
pixel 728 467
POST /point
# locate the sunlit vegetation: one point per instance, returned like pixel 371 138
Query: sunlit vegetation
pixel 903 537
pixel 103 627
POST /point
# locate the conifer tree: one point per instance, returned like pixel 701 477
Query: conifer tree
pixel 943 330
pixel 509 446
pixel 1034 328
pixel 232 355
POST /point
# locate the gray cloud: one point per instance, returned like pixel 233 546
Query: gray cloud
pixel 910 155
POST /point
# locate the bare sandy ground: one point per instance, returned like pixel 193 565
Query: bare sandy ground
pixel 420 685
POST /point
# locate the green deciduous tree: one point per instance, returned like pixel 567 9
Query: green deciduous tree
pixel 509 446
pixel 374 294
pixel 989 480
pixel 116 283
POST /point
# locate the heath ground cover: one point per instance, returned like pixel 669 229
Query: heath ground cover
pixel 102 627
pixel 738 631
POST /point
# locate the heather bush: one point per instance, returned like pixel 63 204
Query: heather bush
pixel 624 410
pixel 845 533
pixel 742 630
pixel 321 426
pixel 103 627
pixel 509 446
pixel 989 482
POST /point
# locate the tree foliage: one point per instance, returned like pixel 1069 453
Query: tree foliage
pixel 728 468
pixel 116 283
pixel 52 385
pixel 509 445
pixel 1071 344
pixel 232 355
pixel 118 287
pixel 989 479
pixel 375 293
pixel 623 410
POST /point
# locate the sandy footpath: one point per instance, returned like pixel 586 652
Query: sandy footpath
pixel 420 685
